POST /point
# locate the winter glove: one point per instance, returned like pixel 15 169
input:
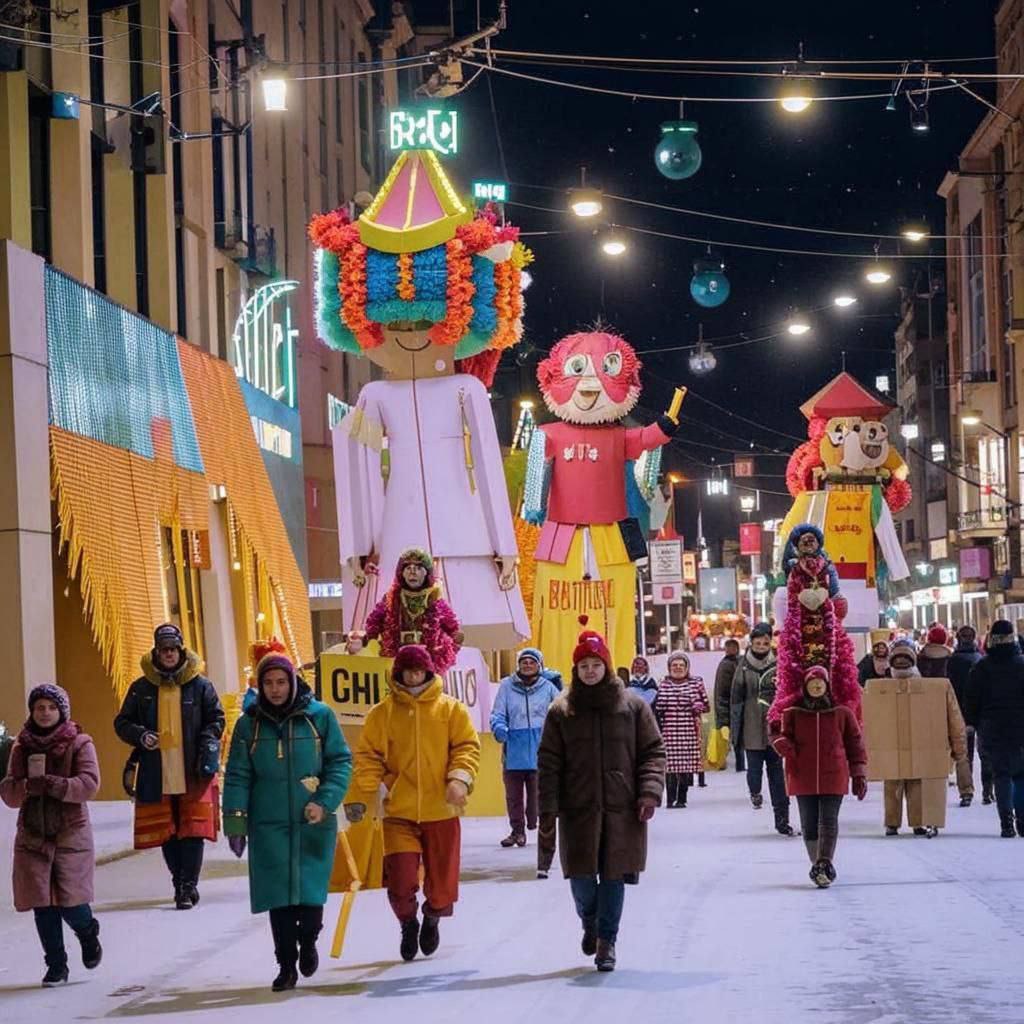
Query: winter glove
pixel 36 786
pixel 237 844
pixel 457 793
pixel 56 786
pixel 860 787
pixel 354 812
pixel 645 807
pixel 150 740
pixel 501 733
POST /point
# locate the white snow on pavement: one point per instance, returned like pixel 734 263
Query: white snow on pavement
pixel 725 925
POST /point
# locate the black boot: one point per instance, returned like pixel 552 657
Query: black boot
pixel 92 951
pixel 701 781
pixel 1020 825
pixel 430 935
pixel 309 958
pixel 56 972
pixel 1006 821
pixel 286 979
pixel 822 873
pixel 782 825
pixel 671 789
pixel 183 897
pixel 986 794
pixel 410 938
pixel 681 799
pixel 589 943
pixel 310 922
pixel 605 959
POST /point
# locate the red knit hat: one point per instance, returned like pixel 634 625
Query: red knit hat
pixel 590 644
pixel 938 634
pixel 412 656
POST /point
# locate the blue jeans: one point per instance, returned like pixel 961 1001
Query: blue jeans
pixel 601 901
pixel 51 930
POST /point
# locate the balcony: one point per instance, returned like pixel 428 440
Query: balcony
pixel 982 522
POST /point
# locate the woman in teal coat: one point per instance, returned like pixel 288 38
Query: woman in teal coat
pixel 287 773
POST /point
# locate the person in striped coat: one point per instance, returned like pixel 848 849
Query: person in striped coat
pixel 678 707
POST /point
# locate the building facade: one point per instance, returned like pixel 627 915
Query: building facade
pixel 156 314
pixel 985 249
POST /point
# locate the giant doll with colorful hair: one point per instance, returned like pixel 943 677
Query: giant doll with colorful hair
pixel 576 486
pixel 430 292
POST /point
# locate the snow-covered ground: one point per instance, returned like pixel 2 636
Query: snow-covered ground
pixel 724 926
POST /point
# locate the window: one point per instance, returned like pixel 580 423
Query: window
pixel 99 215
pixel 1006 295
pixel 138 165
pixel 222 314
pixel 178 178
pixel 181 558
pixel 977 352
pixel 39 169
pixel 363 114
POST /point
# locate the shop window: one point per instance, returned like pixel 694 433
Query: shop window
pixel 181 557
pixel 39 169
pixel 978 356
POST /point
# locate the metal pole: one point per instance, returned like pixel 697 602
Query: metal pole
pixel 668 629
pixel 643 613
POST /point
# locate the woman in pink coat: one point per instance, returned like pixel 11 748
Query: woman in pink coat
pixel 51 775
pixel 680 703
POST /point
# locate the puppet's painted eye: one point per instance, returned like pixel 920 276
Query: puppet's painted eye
pixel 575 366
pixel 613 364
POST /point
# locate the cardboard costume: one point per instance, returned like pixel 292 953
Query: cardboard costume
pixel 431 293
pixel 848 480
pixel 576 487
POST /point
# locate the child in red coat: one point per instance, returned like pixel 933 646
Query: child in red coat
pixel 823 750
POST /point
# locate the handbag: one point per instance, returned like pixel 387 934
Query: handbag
pixel 718 750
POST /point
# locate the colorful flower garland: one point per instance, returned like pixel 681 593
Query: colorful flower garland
pixel 459 295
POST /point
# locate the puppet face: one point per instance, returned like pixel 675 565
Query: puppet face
pixel 407 353
pixel 590 378
pixel 808 544
pixel 874 443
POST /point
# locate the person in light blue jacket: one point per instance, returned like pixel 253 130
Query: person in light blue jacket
pixel 517 719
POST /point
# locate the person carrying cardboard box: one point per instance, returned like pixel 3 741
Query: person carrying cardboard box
pixel 912 725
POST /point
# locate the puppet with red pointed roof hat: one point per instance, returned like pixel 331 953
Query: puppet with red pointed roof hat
pixel 431 293
pixel 846 481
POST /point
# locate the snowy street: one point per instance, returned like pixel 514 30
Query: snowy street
pixel 724 926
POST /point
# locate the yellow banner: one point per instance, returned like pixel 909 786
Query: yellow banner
pixel 849 536
pixel 353 683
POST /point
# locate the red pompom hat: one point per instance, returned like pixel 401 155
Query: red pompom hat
pixel 590 644
pixel 412 656
pixel 937 634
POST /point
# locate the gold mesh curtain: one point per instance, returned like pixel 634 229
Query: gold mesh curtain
pixel 231 457
pixel 111 507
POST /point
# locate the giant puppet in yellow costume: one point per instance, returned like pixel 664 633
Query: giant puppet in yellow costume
pixel 847 480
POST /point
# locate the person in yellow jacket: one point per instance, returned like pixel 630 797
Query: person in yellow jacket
pixel 422 745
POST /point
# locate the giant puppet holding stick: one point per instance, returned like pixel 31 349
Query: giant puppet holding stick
pixel 576 487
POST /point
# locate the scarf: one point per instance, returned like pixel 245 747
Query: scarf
pixel 53 742
pixel 416 602
pixel 414 691
pixel 599 698
pixel 760 662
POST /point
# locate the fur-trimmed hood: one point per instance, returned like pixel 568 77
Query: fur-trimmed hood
pixel 191 668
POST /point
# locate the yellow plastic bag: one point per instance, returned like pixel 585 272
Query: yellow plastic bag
pixel 718 750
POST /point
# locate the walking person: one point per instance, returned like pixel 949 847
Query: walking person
pixel 641 682
pixel 678 708
pixel 933 658
pixel 287 772
pixel 751 695
pixel 517 719
pixel 602 773
pixel 173 720
pixel 52 774
pixel 995 707
pixel 964 657
pixel 423 744
pixel 823 751
pixel 723 687
pixel 875 664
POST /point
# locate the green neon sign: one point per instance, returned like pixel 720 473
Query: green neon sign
pixel 490 191
pixel 263 342
pixel 424 128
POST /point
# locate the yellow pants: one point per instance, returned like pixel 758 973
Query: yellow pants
pixel 926 802
pixel 561 595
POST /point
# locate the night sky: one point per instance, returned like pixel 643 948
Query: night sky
pixel 846 166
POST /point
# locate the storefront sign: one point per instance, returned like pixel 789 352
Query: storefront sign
pixel 263 343
pixel 689 568
pixel 750 538
pixel 975 563
pixel 666 593
pixel 947 575
pixel 325 589
pixel 666 561
pixel 272 438
pixel 424 128
pixel 490 191
pixel 743 465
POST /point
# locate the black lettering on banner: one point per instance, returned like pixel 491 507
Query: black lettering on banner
pixel 340 696
pixel 471 689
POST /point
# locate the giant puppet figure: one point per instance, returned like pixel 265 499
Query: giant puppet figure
pixel 431 293
pixel 846 481
pixel 576 487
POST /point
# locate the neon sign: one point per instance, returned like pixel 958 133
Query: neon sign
pixel 263 342
pixel 427 128
pixel 490 191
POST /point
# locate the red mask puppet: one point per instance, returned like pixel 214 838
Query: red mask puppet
pixel 590 378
